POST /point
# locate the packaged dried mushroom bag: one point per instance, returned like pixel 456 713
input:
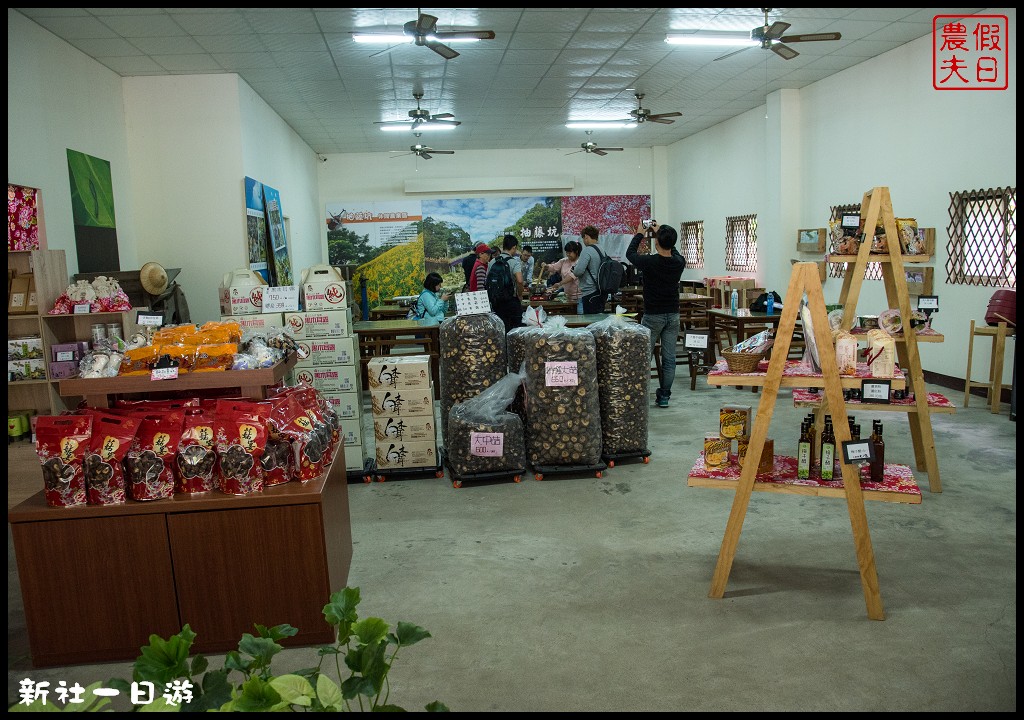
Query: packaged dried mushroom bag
pixel 483 436
pixel 149 465
pixel 472 358
pixel 623 374
pixel 241 440
pixel 61 444
pixel 196 456
pixel 563 410
pixel 112 438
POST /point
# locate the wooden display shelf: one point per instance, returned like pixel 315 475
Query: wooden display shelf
pixel 794 376
pixel 924 335
pixel 98 580
pixel 22 383
pixel 898 485
pixel 937 403
pixel 912 259
pixel 252 383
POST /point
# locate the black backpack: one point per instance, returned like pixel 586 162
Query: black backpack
pixel 500 283
pixel 609 274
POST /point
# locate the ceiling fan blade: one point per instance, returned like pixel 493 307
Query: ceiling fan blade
pixel 734 52
pixel 659 119
pixel 400 155
pixel 574 152
pixel 604 150
pixel 425 155
pixel 811 37
pixel 784 51
pixel 465 35
pixel 441 116
pixel 435 121
pixel 598 151
pixel 443 152
pixel 425 24
pixel 441 49
pixel 776 29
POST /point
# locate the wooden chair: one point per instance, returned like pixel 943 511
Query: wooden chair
pixel 995 384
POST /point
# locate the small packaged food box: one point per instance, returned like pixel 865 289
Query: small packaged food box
pixel 734 421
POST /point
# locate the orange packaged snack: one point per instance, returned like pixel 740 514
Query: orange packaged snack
pixel 140 361
pixel 174 335
pixel 210 358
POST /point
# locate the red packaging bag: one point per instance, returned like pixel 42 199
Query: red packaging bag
pixel 61 444
pixel 307 447
pixel 325 436
pixel 149 466
pixel 277 461
pixel 241 440
pixel 196 457
pixel 112 438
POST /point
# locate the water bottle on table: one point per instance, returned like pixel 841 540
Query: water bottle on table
pixel 734 302
pixel 771 302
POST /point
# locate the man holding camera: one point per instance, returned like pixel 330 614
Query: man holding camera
pixel 661 296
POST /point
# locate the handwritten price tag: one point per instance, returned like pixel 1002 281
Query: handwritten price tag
pixel 170 373
pixel 856 452
pixel 486 444
pixel 696 341
pixel 83 309
pixel 561 373
pixel 472 303
pixel 284 298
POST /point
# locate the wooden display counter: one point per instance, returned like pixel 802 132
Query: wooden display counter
pixel 98 580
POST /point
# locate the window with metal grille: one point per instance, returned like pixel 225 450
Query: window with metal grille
pixel 982 247
pixel 692 234
pixel 741 243
pixel 838 270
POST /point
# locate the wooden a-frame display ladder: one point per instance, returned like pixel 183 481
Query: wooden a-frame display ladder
pixel 878 205
pixel 804 279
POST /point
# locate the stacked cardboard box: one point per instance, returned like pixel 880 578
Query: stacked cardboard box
pixel 402 399
pixel 331 365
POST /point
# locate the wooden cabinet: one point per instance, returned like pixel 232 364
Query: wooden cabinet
pixel 98 580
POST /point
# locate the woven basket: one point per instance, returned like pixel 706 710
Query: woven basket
pixel 742 362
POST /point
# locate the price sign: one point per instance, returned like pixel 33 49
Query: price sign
pixel 472 303
pixel 561 373
pixel 284 298
pixel 83 309
pixel 149 319
pixel 695 340
pixel 170 373
pixel 875 391
pixel 65 356
pixel 928 302
pixel 486 444
pixel 858 452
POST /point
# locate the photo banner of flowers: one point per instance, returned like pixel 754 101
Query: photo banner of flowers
pixel 22 218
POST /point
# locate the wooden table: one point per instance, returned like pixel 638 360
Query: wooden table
pixel 98 580
pixel 553 307
pixel 389 312
pixel 578 321
pixel 380 337
pixel 743 323
pixel 721 287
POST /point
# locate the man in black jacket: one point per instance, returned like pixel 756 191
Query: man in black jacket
pixel 661 273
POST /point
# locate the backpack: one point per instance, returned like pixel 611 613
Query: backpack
pixel 609 274
pixel 500 284
pixel 761 303
pixel 417 311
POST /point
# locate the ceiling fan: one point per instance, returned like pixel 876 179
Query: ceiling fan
pixel 771 38
pixel 423 151
pixel 641 114
pixel 423 31
pixel 592 147
pixel 420 116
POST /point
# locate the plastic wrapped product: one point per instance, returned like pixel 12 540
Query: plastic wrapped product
pixel 62 442
pixel 623 375
pixel 472 359
pixel 563 410
pixel 483 436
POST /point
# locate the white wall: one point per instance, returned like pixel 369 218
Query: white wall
pixel 57 98
pixel 893 130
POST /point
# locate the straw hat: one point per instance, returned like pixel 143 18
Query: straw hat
pixel 153 278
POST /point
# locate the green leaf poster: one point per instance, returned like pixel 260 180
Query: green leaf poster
pixel 92 209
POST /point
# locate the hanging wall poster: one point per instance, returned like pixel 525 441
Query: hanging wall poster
pixel 92 210
pixel 451 228
pixel 22 218
pixel 257 240
pixel 616 218
pixel 382 242
pixel 278 258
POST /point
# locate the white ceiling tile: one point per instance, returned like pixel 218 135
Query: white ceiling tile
pixel 36 13
pixel 539 41
pixel 188 63
pixel 230 43
pixel 76 27
pixel 293 42
pixel 560 20
pixel 275 20
pixel 214 23
pixel 106 47
pixel 244 61
pixel 618 22
pixel 177 45
pixel 143 25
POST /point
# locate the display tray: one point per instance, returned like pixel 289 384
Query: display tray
pixel 926 334
pixel 898 485
pixel 937 403
pixel 796 374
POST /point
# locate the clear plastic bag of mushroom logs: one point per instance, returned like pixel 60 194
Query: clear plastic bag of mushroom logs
pixel 483 436
pixel 623 373
pixel 472 358
pixel 563 412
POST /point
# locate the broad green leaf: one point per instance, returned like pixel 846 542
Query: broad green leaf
pixel 119 684
pixel 342 607
pixel 93 702
pixel 354 659
pixel 199 665
pixel 328 650
pixel 278 632
pixel 370 630
pixel 375 666
pixel 293 689
pixel 34 706
pixel 329 694
pixel 388 708
pixel 216 691
pixel 262 650
pixel 233 661
pixel 357 685
pixel 410 633
pixel 437 706
pixel 257 696
pixel 92 190
pixel 164 660
pixel 308 673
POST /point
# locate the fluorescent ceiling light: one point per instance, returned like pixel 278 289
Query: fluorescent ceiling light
pixel 600 124
pixel 712 40
pixel 426 126
pixel 398 39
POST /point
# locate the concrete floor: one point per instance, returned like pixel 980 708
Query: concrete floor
pixel 579 593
